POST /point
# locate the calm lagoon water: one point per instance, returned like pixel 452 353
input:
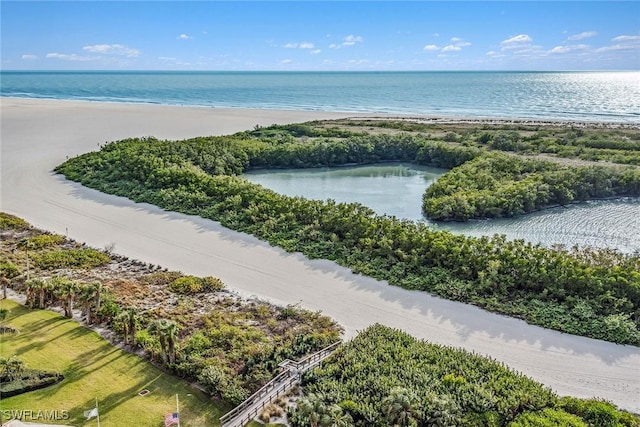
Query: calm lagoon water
pixel 396 189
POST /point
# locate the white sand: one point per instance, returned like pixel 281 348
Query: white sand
pixel 37 135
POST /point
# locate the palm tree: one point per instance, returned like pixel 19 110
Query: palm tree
pixel 39 288
pixel 171 331
pixel 167 333
pixel 441 411
pixel 128 320
pixel 99 290
pixel 90 299
pixel 44 293
pixel 86 300
pixel 30 290
pixel 398 407
pixel 338 418
pixel 11 369
pixel 66 291
pixel 313 409
pixel 8 271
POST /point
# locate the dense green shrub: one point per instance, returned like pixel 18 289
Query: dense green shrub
pixel 41 241
pixel 193 284
pixel 386 377
pixel 548 418
pixel 9 221
pixel 160 278
pixel 435 385
pixel 70 258
pixel 498 185
pixel 594 412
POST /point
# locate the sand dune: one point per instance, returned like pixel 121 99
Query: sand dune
pixel 39 134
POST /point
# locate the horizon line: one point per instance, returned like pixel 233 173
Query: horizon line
pixel 323 71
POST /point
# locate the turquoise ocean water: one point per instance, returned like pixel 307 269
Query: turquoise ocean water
pixel 581 96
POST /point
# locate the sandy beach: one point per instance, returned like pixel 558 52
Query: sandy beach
pixel 37 135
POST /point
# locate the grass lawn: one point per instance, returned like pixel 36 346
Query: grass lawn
pixel 94 368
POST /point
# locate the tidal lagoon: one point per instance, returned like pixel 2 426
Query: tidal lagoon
pixel 396 190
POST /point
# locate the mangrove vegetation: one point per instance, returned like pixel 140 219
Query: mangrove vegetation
pixel 584 291
pixel 385 377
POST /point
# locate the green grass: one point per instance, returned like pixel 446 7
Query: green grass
pixel 94 368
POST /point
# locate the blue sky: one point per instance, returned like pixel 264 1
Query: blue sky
pixel 328 35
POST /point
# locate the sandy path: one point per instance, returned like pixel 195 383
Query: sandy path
pixel 37 135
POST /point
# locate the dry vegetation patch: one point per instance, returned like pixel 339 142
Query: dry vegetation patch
pixel 185 323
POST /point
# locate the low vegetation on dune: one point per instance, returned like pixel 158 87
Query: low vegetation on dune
pixel 191 326
pixel 385 377
pixel 583 291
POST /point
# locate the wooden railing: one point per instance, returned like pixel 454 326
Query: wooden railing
pixel 279 385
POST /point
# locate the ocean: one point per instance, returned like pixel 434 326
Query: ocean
pixel 574 96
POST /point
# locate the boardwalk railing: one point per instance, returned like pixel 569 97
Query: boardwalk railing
pixel 279 385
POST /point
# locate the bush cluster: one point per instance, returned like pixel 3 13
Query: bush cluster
pixel 193 284
pixel 70 258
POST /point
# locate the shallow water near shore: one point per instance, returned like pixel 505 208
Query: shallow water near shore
pixel 396 190
pixel 568 96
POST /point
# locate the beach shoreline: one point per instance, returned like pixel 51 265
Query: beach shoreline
pixel 37 135
pixel 416 118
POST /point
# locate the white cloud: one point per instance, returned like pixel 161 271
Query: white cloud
pixel 350 40
pixel 112 49
pixel 183 37
pixel 69 57
pixel 436 34
pixel 529 51
pixel 617 47
pixel 570 48
pixel 582 35
pixel 494 54
pixel 625 39
pixel 334 46
pixel 286 61
pixel 167 58
pixel 28 57
pixel 624 42
pixel 456 45
pixel 315 52
pixel 516 42
pixel 303 45
pixel 456 42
